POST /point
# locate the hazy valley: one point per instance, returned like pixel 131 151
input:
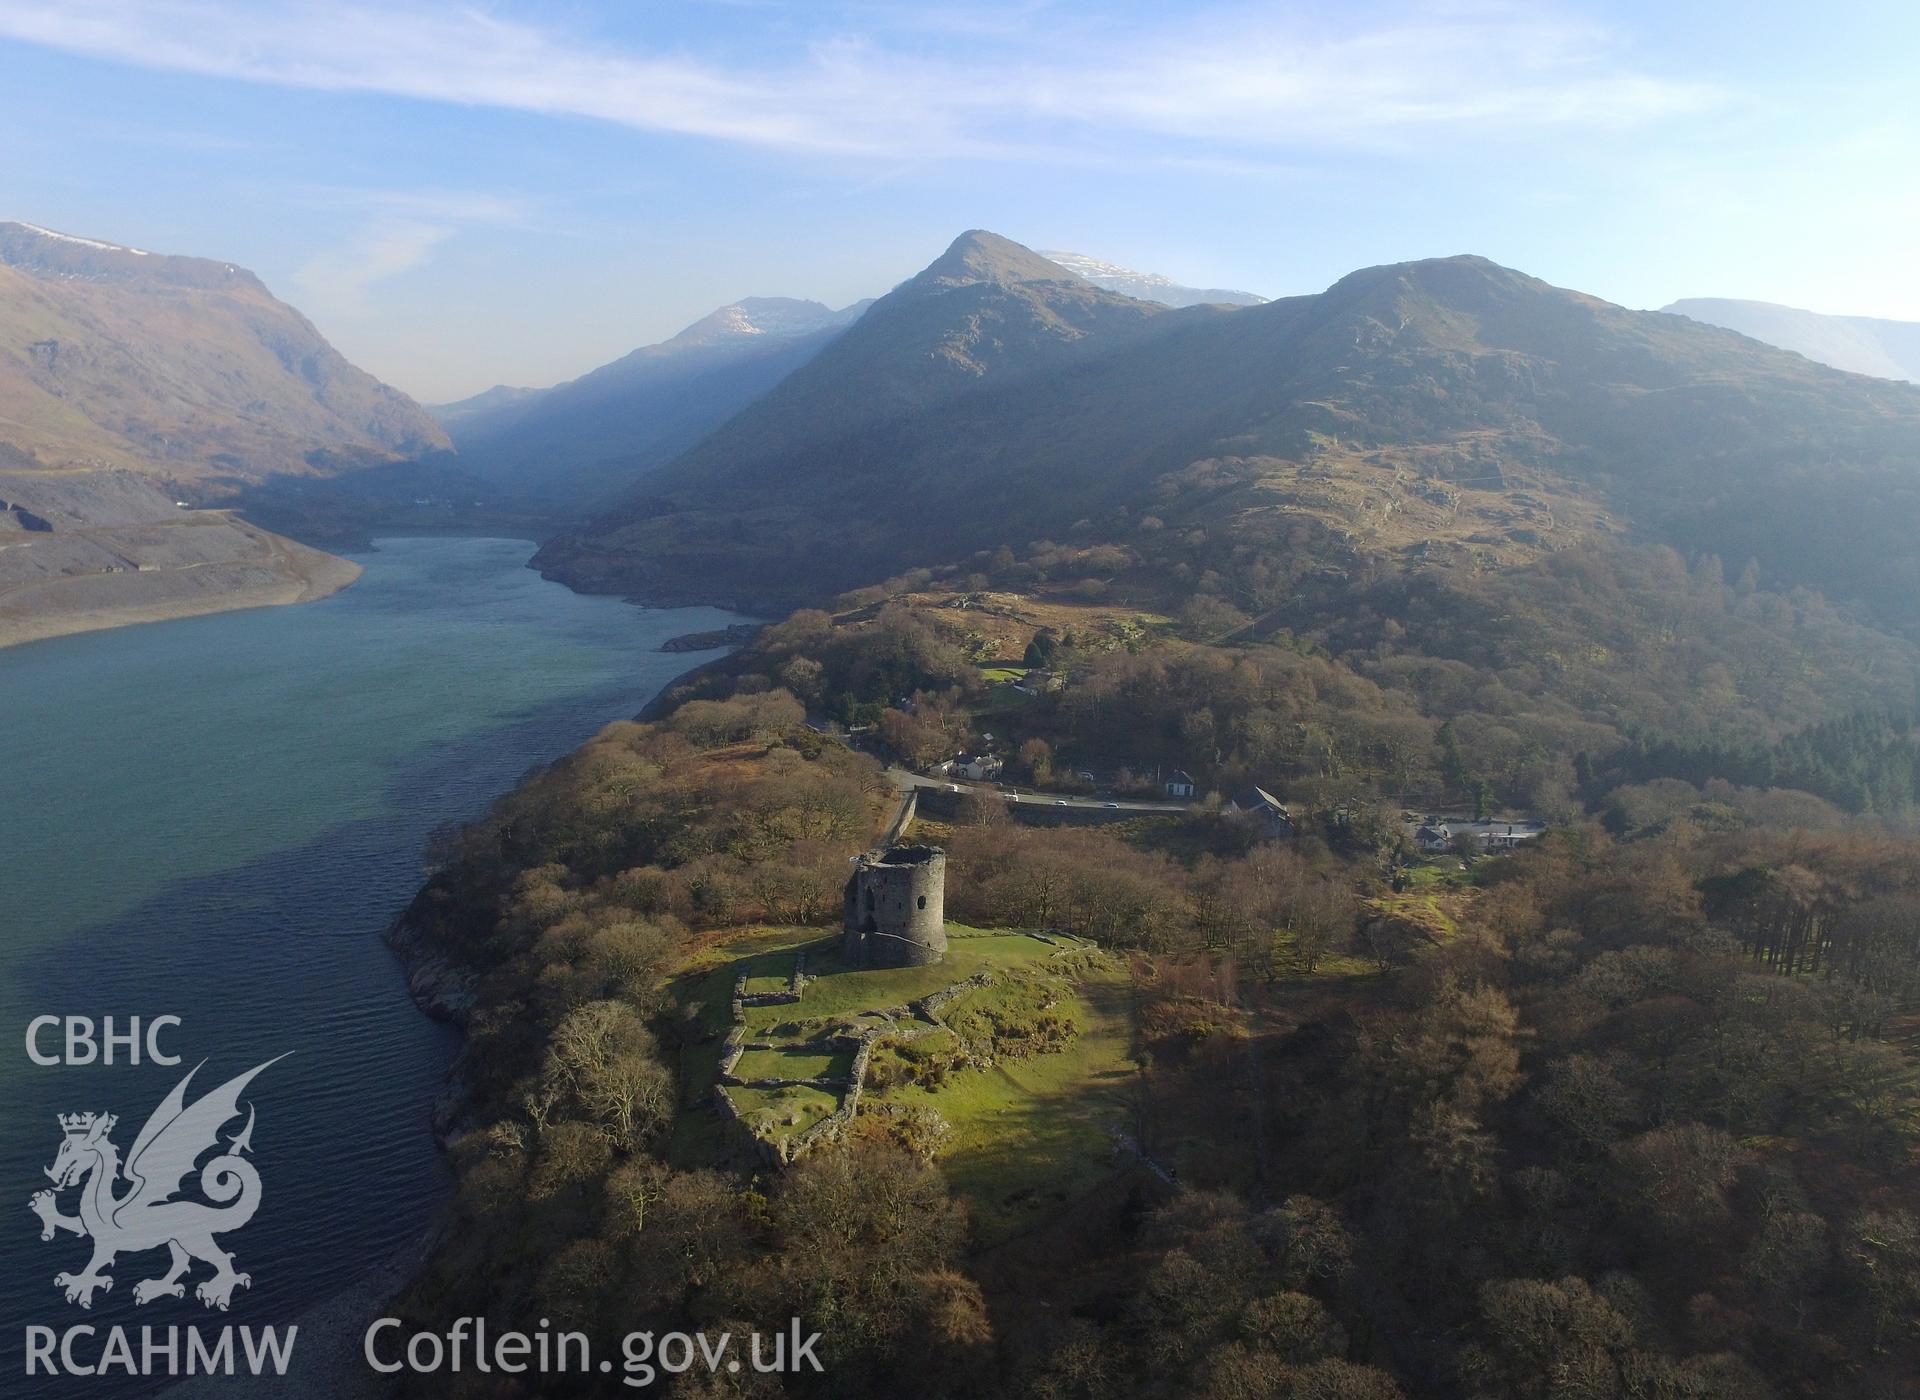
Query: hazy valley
pixel 576 444
pixel 1857 344
pixel 1424 779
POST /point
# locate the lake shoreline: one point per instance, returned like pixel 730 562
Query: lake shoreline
pixel 333 1330
pixel 442 990
pixel 287 572
pixel 221 811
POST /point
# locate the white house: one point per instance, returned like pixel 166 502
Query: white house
pixel 1507 836
pixel 1437 836
pixel 1179 784
pixel 976 767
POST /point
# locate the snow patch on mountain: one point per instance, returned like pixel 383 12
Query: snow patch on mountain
pixel 85 242
pixel 1146 286
pixel 779 318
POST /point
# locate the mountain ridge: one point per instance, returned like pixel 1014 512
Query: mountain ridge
pixel 612 427
pixel 184 366
pixel 133 383
pixel 1884 348
pixel 972 399
pixel 588 437
pixel 982 256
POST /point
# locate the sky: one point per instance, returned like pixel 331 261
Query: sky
pixel 466 194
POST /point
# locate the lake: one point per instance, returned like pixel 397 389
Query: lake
pixel 214 819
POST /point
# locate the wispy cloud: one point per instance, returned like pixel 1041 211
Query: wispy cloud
pixel 394 232
pixel 337 283
pixel 1026 80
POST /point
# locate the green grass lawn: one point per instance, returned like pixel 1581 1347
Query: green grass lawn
pixel 835 990
pixel 1000 700
pixel 782 1113
pixel 1342 966
pixel 793 1063
pixel 1029 1134
pixel 1421 908
pixel 705 986
pixel 707 980
pixel 1003 673
pixel 1431 871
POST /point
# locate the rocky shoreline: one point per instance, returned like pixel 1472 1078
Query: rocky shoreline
pixel 440 988
pixel 444 991
pixel 738 635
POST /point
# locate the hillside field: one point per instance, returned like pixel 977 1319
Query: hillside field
pixel 1030 1073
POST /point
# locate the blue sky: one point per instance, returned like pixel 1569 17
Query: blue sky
pixel 465 194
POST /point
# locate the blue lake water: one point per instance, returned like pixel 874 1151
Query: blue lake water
pixel 214 819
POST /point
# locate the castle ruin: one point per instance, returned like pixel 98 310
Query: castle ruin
pixel 896 908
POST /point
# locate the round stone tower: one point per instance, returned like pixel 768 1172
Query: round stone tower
pixel 896 908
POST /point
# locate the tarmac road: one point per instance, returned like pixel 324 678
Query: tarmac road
pixel 904 779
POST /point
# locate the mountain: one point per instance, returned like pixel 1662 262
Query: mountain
pixel 582 443
pixel 584 440
pixel 184 367
pixel 1147 286
pixel 1857 344
pixel 875 430
pixel 130 380
pixel 1448 411
pixel 485 410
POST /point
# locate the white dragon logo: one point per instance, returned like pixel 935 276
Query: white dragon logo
pixel 147 1217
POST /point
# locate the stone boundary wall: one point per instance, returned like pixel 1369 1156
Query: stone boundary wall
pixel 742 1000
pixel 763 1150
pixel 930 1005
pixel 922 1017
pixel 732 1049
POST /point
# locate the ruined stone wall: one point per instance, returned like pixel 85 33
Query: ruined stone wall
pixel 896 1024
